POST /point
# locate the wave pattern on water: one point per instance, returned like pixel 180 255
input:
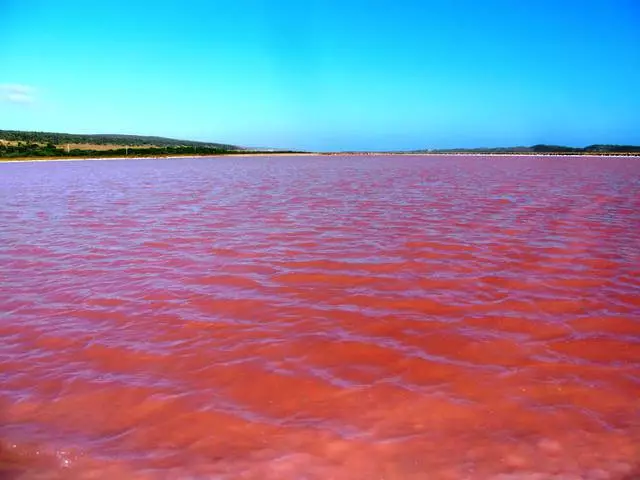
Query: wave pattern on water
pixel 316 318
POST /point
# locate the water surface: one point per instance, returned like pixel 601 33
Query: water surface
pixel 320 318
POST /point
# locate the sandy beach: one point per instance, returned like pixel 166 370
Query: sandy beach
pixel 372 154
pixel 82 159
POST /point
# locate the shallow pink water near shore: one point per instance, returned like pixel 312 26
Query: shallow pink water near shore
pixel 320 318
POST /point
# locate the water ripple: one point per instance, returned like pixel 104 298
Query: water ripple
pixel 325 317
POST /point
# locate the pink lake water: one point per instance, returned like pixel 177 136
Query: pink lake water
pixel 343 318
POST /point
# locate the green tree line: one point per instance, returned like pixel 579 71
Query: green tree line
pixel 50 150
pixel 546 149
pixel 100 139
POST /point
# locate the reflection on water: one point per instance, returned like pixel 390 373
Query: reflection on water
pixel 321 318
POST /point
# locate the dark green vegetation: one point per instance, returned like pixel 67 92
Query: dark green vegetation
pixel 17 144
pixel 99 139
pixel 50 150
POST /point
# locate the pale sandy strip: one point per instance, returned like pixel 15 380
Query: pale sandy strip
pixel 91 159
pixel 83 159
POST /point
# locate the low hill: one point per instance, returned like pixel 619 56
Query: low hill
pixel 591 149
pixel 14 136
pixel 20 144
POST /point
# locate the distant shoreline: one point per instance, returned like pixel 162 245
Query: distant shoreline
pixel 17 145
pixel 325 154
pixel 157 157
pixel 485 154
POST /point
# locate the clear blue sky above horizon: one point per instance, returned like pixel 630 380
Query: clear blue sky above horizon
pixel 325 74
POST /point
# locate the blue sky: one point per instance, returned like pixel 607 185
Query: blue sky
pixel 325 74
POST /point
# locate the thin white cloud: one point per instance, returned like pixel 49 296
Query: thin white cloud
pixel 17 93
